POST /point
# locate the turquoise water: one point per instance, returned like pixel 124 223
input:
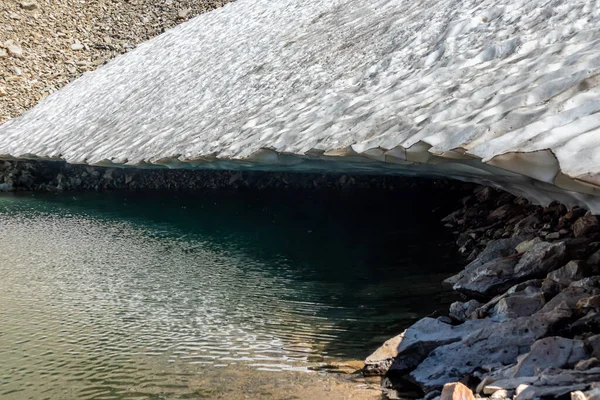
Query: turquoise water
pixel 124 295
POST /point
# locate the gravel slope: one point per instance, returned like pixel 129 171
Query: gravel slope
pixel 45 44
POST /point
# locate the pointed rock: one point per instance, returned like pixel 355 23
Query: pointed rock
pixel 411 347
pixel 573 271
pixel 541 259
pixel 456 391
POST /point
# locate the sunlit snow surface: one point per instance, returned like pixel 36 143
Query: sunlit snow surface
pixel 457 88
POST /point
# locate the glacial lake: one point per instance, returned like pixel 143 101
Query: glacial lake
pixel 154 295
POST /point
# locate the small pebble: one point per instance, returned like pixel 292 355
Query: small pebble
pixel 183 13
pixel 553 236
pixel 14 50
pixel 28 5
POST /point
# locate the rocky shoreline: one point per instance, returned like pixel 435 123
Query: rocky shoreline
pixel 529 323
pixel 57 176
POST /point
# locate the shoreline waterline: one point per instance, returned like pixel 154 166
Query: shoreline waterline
pixel 265 281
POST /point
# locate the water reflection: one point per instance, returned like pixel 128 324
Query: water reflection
pixel 122 295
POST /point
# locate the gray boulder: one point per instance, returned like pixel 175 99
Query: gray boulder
pixel 538 392
pixel 527 244
pixel 518 305
pixel 492 345
pixel 594 260
pixel 551 352
pixel 552 382
pixel 541 259
pixel 489 278
pixel 529 224
pixel 495 275
pixel 573 271
pixel 573 293
pixel 523 288
pixel 462 311
pixel 411 347
pixel 494 250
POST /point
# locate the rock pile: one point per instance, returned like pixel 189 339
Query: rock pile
pixel 45 44
pixel 529 324
pixel 49 176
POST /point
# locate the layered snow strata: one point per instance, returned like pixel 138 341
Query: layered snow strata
pixel 502 92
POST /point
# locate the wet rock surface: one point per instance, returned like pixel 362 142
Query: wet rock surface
pixel 530 314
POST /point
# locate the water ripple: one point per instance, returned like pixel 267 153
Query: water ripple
pixel 97 303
